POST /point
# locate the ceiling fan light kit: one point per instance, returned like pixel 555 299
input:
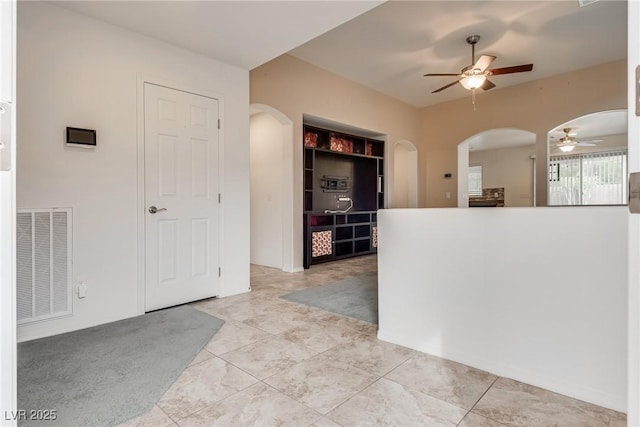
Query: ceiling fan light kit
pixel 473 81
pixel 475 76
pixel 568 142
pixel 567 148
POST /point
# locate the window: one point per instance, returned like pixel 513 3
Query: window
pixel 588 179
pixel 475 180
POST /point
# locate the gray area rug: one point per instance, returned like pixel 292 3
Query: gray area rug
pixel 108 374
pixel 355 297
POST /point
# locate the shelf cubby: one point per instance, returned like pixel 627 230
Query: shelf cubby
pixel 339 165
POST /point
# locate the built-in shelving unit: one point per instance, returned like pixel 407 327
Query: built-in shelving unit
pixel 338 167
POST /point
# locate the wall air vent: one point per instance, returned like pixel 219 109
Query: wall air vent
pixel 43 258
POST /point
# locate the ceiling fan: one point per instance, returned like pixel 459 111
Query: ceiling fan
pixel 568 142
pixel 476 75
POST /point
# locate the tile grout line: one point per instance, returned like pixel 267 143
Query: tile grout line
pixel 349 398
pixel 320 414
pixel 479 399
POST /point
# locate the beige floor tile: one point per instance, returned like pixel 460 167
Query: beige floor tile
pixel 276 339
pixel 258 405
pixel 321 383
pixel 268 357
pixel 154 418
pixel 325 422
pixel 234 335
pixel 475 420
pixel 618 419
pixel 518 404
pixel 452 382
pixel 282 318
pixel 246 309
pixel 370 354
pixel 386 403
pixel 201 385
pixel 321 337
pixel 345 322
pixel 210 308
pixel 201 357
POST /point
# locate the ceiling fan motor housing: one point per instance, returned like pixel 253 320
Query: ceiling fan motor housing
pixel 473 39
pixel 474 76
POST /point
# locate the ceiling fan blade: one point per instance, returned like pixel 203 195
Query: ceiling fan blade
pixel 441 74
pixel 510 70
pixel 484 62
pixel 445 87
pixel 590 141
pixel 586 144
pixel 487 85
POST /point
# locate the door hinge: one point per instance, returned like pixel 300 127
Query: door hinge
pixel 218 123
pixel 219 198
pixel 219 271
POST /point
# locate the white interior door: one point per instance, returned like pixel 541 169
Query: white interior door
pixel 181 196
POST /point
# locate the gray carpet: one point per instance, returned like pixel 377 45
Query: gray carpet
pixel 108 374
pixel 355 297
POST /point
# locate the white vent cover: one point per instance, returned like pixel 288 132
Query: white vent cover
pixel 43 261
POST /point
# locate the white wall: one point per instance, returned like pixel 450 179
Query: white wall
pixel 76 71
pixel 266 190
pixel 633 398
pixel 511 168
pixel 534 294
pixel 8 400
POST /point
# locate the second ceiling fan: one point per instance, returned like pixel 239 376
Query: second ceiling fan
pixel 475 76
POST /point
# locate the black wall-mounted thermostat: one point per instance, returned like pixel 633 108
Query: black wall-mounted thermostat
pixel 81 137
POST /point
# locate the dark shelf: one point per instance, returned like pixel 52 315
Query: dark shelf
pixel 344 248
pixel 358 218
pixel 326 150
pixel 362 231
pixel 343 233
pixel 340 165
pixel 361 246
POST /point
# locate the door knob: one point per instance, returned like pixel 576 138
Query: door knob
pixel 153 209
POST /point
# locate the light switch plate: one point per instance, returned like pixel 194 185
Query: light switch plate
pixel 634 192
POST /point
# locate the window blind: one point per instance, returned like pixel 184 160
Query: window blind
pixel 588 179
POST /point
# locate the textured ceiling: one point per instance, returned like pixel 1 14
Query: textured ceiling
pixel 388 46
pixel 391 47
pixel 242 33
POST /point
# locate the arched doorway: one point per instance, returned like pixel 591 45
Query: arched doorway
pixel 588 160
pixel 271 151
pixel 405 175
pixel 505 158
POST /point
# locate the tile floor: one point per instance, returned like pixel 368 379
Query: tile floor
pixel 279 363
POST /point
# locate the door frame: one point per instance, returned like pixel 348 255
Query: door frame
pixel 140 205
